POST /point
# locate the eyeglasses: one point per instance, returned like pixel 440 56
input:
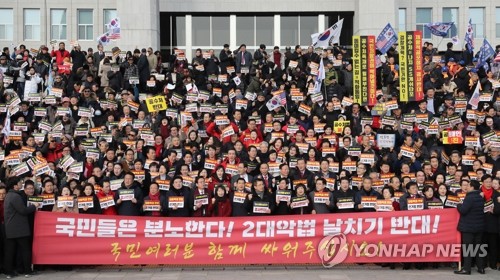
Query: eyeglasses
pixel 131 135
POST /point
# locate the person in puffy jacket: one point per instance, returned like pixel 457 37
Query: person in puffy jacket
pixel 17 228
pixel 471 225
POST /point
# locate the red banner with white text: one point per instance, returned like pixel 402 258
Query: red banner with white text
pixel 403 236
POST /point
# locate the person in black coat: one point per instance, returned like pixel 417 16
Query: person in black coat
pixel 239 205
pixel 344 194
pixel 282 207
pixel 302 173
pixel 77 57
pixel 411 193
pixel 143 67
pixel 260 199
pixel 366 190
pixel 496 207
pixel 490 235
pixel 88 191
pixel 449 52
pixel 226 59
pixel 129 207
pixel 176 191
pixel 17 228
pixel 471 225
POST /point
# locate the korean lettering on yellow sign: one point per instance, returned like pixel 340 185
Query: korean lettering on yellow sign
pixel 156 103
pixel 338 126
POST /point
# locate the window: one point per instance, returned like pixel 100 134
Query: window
pixel 201 31
pixel 207 32
pixel 245 31
pixel 264 31
pixel 255 30
pixel 180 30
pixel 424 16
pixel 108 16
pixel 308 26
pixel 477 17
pixel 220 31
pixel 451 15
pixel 497 21
pixel 85 25
pixel 32 24
pixel 6 24
pixel 402 20
pixel 58 26
pixel 290 30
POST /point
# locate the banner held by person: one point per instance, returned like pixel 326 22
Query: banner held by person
pixel 95 239
pixel 156 103
pixel 410 66
pixel 365 76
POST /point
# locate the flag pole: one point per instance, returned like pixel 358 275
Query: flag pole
pixel 439 43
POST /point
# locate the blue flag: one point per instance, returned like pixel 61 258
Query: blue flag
pixel 386 39
pixel 439 28
pixel 485 53
pixel 469 37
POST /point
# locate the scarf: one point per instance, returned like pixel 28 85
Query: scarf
pixel 488 193
pixel 158 149
pixel 154 197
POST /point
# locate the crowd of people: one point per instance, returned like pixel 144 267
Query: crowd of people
pixel 79 137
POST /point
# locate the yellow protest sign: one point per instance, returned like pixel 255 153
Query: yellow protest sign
pixel 338 126
pixel 156 103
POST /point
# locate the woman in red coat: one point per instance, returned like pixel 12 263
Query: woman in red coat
pixel 219 177
pixel 220 206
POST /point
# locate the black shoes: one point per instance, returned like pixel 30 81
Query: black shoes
pixel 462 272
pixel 481 270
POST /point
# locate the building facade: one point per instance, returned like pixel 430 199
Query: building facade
pixel 208 24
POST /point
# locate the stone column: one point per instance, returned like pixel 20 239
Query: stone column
pixel 370 17
pixel 140 24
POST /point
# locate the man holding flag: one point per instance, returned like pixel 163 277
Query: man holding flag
pixel 469 43
pixel 328 37
pixel 469 37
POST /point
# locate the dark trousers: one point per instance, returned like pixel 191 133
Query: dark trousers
pixel 12 246
pixel 492 240
pixel 472 239
pixel 2 249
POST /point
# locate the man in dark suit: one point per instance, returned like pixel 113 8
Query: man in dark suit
pixel 265 176
pixel 433 101
pixel 243 58
pixel 143 67
pixel 302 173
pixel 242 173
pixel 25 111
pixel 98 55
